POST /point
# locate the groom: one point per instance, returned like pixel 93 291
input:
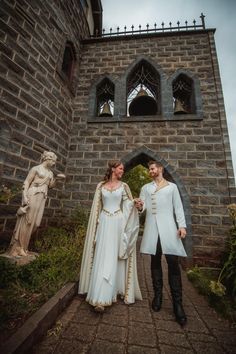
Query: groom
pixel 161 200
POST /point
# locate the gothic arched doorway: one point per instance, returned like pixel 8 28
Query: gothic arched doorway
pixel 141 156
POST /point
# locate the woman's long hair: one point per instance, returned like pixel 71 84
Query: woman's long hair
pixel 111 164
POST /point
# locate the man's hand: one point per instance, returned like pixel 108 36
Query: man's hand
pixel 182 232
pixel 138 203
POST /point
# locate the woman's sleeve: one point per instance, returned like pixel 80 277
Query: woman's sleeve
pixel 131 224
pixel 87 259
pixel 127 202
pixel 142 196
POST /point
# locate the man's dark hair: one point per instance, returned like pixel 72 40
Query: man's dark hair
pixel 153 162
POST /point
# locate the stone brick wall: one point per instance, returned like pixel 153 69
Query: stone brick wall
pixel 195 149
pixel 40 110
pixel 35 106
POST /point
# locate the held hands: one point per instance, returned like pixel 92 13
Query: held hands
pixel 182 232
pixel 138 203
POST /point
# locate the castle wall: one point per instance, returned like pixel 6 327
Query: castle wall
pixel 196 148
pixel 41 110
pixel 35 106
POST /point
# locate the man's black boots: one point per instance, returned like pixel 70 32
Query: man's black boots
pixel 157 282
pixel 176 292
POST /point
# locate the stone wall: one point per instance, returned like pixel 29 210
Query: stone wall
pixel 40 110
pixel 194 148
pixel 35 106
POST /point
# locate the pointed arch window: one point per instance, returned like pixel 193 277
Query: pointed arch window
pixel 85 6
pixel 105 98
pixel 143 91
pixel 183 95
pixel 69 59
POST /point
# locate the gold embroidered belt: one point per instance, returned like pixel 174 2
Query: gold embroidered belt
pixel 111 214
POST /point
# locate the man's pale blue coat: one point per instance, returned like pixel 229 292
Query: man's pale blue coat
pixel 164 210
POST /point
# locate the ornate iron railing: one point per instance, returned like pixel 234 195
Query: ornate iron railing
pixel 155 29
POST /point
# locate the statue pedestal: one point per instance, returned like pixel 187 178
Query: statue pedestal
pixel 21 260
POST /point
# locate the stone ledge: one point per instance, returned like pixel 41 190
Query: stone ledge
pixel 37 325
pixel 159 118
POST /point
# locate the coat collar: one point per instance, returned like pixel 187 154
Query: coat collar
pixel 164 183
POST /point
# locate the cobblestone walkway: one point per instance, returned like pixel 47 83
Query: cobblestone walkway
pixel 137 329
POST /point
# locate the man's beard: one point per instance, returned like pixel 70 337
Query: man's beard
pixel 154 175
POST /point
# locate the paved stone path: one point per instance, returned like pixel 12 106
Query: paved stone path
pixel 137 329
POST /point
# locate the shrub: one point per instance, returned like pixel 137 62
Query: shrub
pixel 136 178
pixel 228 272
pixel 25 288
pixel 8 192
pixel 8 273
pixel 220 290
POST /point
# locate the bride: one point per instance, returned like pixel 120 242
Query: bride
pixel 109 258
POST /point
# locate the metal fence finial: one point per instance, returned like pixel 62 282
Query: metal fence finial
pixel 202 17
pixel 141 31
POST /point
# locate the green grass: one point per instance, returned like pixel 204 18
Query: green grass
pixel 220 288
pixel 219 297
pixel 23 289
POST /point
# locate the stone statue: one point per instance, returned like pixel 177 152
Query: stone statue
pixel 34 195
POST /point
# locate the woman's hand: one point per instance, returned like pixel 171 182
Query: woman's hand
pixel 138 203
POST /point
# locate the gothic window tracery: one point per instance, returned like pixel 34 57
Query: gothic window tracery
pixel 85 6
pixel 183 95
pixel 105 98
pixel 143 91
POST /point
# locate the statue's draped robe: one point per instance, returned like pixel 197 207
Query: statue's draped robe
pixel 35 188
pixel 109 259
